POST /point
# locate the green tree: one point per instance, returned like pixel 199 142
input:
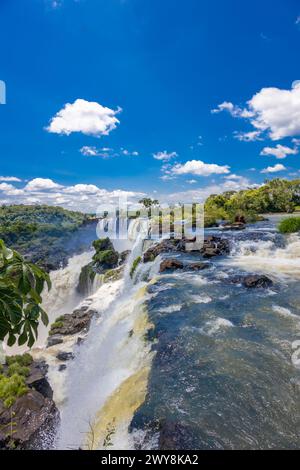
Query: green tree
pixel 21 285
pixel 148 202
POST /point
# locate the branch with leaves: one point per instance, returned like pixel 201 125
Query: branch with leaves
pixel 21 286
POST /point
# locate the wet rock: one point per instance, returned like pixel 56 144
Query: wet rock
pixel 123 256
pixel 37 379
pixel 53 340
pixel 170 264
pixel 164 246
pixel 64 356
pixel 71 324
pixel 35 419
pixel 199 266
pixel 253 281
pixel 257 281
pixel 31 422
pixel 214 246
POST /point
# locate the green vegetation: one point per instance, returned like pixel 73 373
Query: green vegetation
pixel 13 378
pixel 277 195
pixel 289 225
pixel 135 265
pixel 57 324
pixel 147 202
pixel 21 285
pixel 23 360
pixel 39 232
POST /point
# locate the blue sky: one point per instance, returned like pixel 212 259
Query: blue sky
pixel 158 73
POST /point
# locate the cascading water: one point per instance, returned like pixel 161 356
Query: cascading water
pixel 266 256
pixel 107 380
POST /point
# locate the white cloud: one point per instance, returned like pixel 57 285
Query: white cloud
pixel 88 117
pixel 274 169
pixel 234 110
pixel 251 136
pixel 272 110
pixel 41 184
pixel 297 20
pixel 191 181
pixel 10 178
pixel 164 156
pixel 106 152
pixel 82 197
pixel 200 194
pixel 280 151
pixel 197 167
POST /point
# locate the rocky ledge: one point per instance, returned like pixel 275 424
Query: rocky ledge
pixel 28 414
pixel 212 246
pixel 171 264
pixel 70 324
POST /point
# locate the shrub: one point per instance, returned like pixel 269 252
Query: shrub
pixel 16 368
pixel 12 388
pixel 57 324
pixel 22 359
pixel 135 265
pixel 289 225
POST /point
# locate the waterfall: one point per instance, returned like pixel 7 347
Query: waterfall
pixel 107 380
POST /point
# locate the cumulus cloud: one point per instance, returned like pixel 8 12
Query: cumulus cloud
pixel 280 151
pixel 164 156
pixel 41 184
pixel 201 194
pixel 274 169
pixel 10 178
pixel 191 181
pixel 272 111
pixel 197 167
pixel 87 117
pixel 82 197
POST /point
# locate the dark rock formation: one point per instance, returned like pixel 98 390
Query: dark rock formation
pixel 170 264
pixel 37 379
pixel 199 266
pixel 53 340
pixel 123 256
pixel 65 356
pixel 105 258
pixel 214 246
pixel 73 323
pixel 31 422
pixel 164 246
pixel 256 280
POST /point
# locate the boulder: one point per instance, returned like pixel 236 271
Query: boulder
pixel 214 246
pixel 31 422
pixel 165 246
pixel 257 281
pixel 37 379
pixel 199 266
pixel 253 281
pixel 64 356
pixel 71 324
pixel 170 264
pixel 35 419
pixel 53 340
pixel 123 256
